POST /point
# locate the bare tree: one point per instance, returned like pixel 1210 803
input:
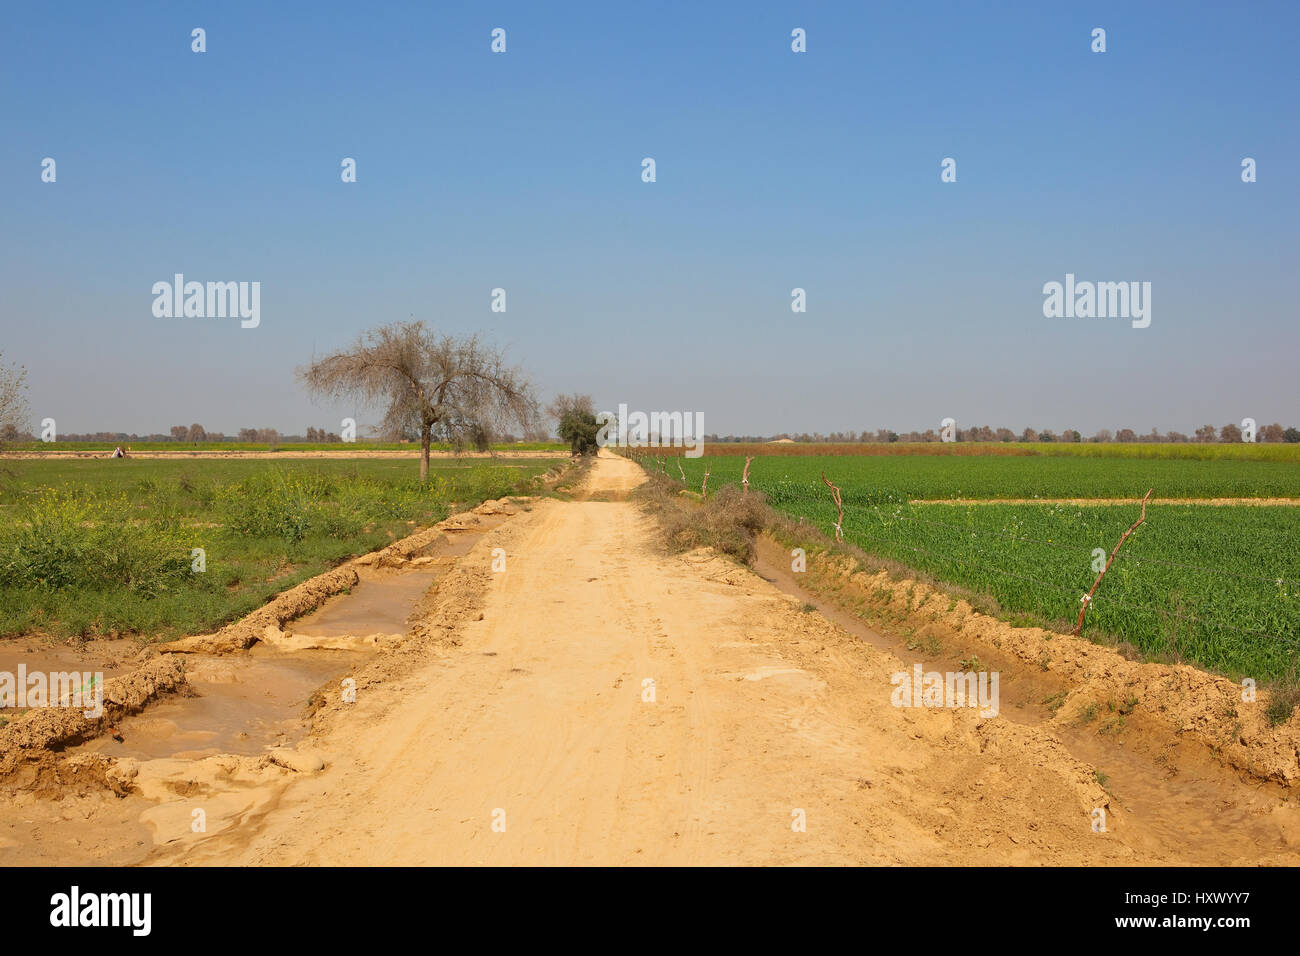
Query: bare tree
pixel 454 388
pixel 13 401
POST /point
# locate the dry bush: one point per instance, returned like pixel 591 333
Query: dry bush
pixel 1284 698
pixel 728 521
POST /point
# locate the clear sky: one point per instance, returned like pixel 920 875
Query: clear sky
pixel 775 170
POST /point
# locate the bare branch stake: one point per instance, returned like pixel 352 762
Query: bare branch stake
pixel 839 503
pixel 1087 600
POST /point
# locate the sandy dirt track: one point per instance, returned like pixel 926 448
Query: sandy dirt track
pixel 534 711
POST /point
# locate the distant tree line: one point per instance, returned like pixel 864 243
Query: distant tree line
pixel 1206 433
pixel 193 434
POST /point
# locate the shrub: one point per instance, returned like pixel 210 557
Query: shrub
pixel 728 521
pixel 66 538
pixel 274 505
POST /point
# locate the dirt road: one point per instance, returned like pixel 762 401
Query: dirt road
pixel 609 704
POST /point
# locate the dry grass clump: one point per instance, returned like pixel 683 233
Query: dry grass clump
pixel 727 521
pixel 1284 698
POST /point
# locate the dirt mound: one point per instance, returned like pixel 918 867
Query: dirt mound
pixel 242 634
pixel 501 506
pixel 1102 684
pixel 29 743
pixel 409 549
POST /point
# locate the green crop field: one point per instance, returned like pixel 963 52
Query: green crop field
pixel 1199 451
pixel 92 547
pixel 879 479
pixel 1215 585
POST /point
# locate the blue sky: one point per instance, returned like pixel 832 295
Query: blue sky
pixel 775 170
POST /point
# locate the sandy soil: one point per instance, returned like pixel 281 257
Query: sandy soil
pixel 598 702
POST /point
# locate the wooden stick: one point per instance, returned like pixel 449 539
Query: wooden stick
pixel 704 488
pixel 1087 599
pixel 839 503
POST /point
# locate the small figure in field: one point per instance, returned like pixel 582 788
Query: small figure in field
pixel 118 453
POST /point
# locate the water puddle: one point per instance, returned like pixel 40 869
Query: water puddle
pixel 247 704
pixel 380 603
pixel 241 705
pixel 111 658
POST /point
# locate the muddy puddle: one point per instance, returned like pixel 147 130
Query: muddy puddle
pixel 380 603
pixel 111 658
pixel 240 705
pixel 458 541
pixel 34 664
pixel 247 704
pixel 384 600
pixel 243 704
